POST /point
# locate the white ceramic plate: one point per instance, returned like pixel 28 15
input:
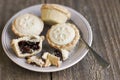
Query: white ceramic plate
pixel 77 54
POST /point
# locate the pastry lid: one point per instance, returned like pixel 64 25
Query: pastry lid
pixel 56 7
pixel 62 34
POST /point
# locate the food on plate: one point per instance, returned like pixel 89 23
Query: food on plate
pixel 35 60
pixel 47 60
pixel 54 60
pixel 47 63
pixel 65 54
pixel 27 24
pixel 27 46
pixel 53 14
pixel 63 36
pixel 62 54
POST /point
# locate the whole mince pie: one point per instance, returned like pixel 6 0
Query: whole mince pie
pixel 27 24
pixel 63 36
pixel 27 46
pixel 54 14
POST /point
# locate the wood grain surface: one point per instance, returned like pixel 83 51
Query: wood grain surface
pixel 104 18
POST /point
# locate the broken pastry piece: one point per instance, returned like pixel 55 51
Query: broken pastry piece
pixel 54 60
pixel 46 60
pixel 35 60
pixel 47 63
pixel 65 54
pixel 62 54
pixel 38 61
pixel 27 46
pixel 49 59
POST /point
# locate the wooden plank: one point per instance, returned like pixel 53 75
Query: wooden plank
pixel 8 69
pixel 104 18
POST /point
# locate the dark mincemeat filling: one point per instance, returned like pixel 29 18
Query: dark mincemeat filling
pixel 58 54
pixel 27 46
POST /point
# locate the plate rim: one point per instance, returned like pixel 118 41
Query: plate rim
pixel 90 35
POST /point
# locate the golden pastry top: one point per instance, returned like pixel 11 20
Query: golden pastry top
pixel 57 7
pixel 62 34
pixel 27 24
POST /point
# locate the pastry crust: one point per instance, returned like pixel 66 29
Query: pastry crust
pixel 58 8
pixel 54 60
pixel 65 54
pixel 53 14
pixel 16 48
pixel 27 24
pixel 48 61
pixel 35 60
pixel 67 46
pixel 51 59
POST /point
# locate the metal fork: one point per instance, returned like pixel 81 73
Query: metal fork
pixel 99 58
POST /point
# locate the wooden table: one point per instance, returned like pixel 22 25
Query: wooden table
pixel 104 18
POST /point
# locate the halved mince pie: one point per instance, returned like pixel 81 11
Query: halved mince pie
pixel 63 36
pixel 27 46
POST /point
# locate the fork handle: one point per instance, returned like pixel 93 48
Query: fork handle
pixel 99 58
